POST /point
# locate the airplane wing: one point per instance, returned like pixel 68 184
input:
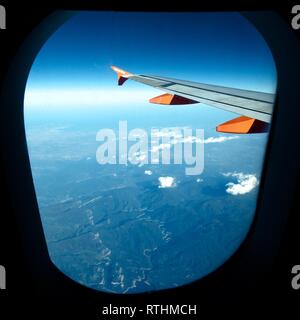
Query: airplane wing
pixel 255 108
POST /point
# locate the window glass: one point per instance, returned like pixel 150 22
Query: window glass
pixel 117 217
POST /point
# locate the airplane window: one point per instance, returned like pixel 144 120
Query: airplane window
pixel 138 195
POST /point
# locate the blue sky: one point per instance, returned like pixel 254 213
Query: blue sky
pixel 73 67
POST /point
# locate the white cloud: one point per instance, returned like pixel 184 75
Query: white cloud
pixel 220 139
pixel 166 182
pixel 199 180
pixel 137 158
pixel 148 172
pixel 188 139
pixel 141 157
pixel 192 139
pixel 228 174
pixel 171 132
pixel 161 147
pixel 245 183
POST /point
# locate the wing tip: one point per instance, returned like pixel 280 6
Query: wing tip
pixel 122 74
pixel 120 71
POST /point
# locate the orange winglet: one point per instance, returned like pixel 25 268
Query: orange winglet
pixel 243 125
pixel 173 99
pixel 122 75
